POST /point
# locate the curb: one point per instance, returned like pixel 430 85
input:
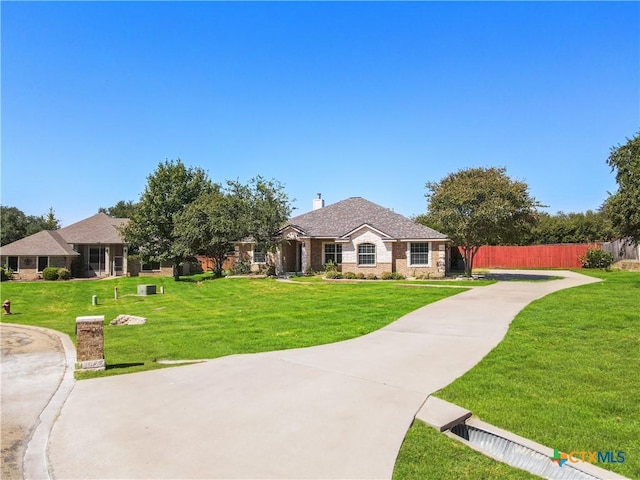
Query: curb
pixel 35 464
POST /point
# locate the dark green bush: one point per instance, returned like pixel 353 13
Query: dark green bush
pixel 330 266
pixel 397 276
pixel 350 275
pixel 371 276
pixel 333 274
pixel 360 276
pixel 64 274
pixel 241 267
pixel 5 274
pixel 50 273
pixel 596 258
pixel 386 276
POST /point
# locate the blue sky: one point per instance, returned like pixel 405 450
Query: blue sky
pixel 346 99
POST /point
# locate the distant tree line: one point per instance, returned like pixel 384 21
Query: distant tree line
pixel 15 224
pixel 587 227
pixel 122 209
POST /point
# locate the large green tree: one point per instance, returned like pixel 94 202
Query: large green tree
pixel 480 206
pixel 623 207
pixel 269 209
pixel 212 224
pixel 13 223
pixel 169 190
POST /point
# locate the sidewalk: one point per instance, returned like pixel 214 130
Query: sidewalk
pixel 332 411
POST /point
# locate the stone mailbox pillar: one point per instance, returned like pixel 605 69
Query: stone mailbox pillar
pixel 90 348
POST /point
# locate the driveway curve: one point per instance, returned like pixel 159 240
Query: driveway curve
pixel 332 411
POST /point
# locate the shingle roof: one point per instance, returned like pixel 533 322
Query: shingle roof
pixel 43 243
pixel 100 228
pixel 338 219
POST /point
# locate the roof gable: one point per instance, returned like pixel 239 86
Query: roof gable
pixel 44 243
pixel 366 226
pixel 347 216
pixel 100 228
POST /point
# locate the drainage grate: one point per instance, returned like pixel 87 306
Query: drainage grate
pixel 518 455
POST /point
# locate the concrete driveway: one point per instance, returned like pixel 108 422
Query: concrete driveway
pixel 332 411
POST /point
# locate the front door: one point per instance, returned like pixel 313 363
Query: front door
pixel 118 266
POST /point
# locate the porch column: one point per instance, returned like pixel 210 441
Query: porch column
pixel 303 260
pixel 279 267
pixel 108 267
pixel 125 262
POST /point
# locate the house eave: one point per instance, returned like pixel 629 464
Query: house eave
pixel 424 240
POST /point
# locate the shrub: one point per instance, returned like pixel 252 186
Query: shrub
pixel 397 276
pixel 350 275
pixel 386 276
pixel 333 274
pixel 64 274
pixel 596 258
pixel 50 273
pixel 371 276
pixel 5 274
pixel 360 276
pixel 241 267
pixel 330 266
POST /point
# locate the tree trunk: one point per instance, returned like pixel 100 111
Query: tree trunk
pixel 469 255
pixel 176 272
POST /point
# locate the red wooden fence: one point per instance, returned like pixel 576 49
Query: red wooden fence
pixel 533 256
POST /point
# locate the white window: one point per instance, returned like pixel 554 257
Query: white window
pixel 333 253
pixel 259 257
pixel 419 253
pixel 366 254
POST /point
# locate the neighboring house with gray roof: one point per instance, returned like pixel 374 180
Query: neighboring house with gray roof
pixel 361 237
pixel 95 243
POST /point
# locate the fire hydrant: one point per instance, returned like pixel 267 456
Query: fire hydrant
pixel 6 306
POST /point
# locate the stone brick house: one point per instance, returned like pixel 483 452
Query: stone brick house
pixel 94 246
pixel 94 243
pixel 361 236
pixel 29 256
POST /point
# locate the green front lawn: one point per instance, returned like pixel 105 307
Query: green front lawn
pixel 448 282
pixel 212 318
pixel 567 375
